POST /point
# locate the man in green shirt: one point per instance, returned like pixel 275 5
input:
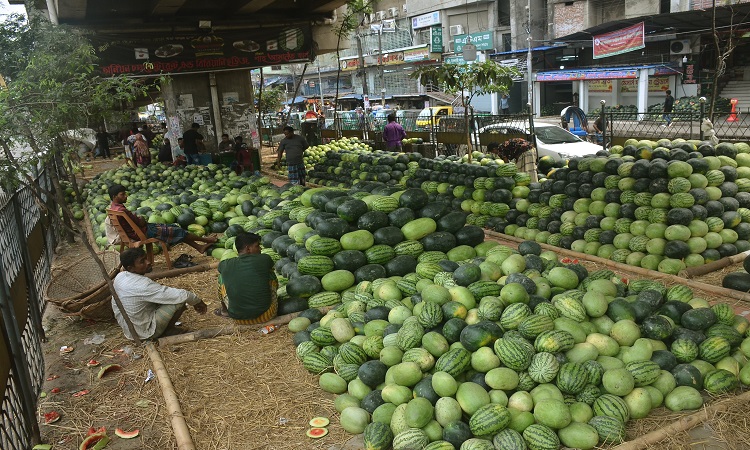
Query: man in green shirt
pixel 247 283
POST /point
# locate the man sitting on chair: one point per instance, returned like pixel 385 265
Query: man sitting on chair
pixel 150 306
pixel 168 233
pixel 247 283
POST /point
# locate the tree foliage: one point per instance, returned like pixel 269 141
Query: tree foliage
pixel 470 79
pixel 270 101
pixel 52 85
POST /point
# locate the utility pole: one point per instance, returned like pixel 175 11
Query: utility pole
pixel 530 82
pixel 320 85
pixel 382 62
pixel 362 71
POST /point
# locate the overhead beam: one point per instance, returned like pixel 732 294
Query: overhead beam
pixel 329 6
pixel 253 6
pixel 165 7
pixel 71 9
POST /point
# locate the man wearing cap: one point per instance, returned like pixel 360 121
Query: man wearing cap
pixel 294 145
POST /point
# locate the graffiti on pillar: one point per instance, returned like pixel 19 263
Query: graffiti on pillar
pixel 238 119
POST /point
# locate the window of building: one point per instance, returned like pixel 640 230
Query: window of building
pixel 507 44
pixel 503 13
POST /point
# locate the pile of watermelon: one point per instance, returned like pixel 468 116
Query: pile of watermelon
pixel 437 339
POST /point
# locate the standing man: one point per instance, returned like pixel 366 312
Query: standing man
pixel 393 133
pixel 192 138
pixel 668 105
pixel 505 104
pixel 247 284
pixel 294 146
pixel 102 142
pixel 150 306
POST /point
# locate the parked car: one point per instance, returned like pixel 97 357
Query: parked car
pixel 430 116
pixel 551 140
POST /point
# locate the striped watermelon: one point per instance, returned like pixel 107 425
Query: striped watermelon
pixel 611 430
pixel 636 286
pixel 305 348
pixel 325 298
pixel 547 309
pixel 509 439
pixel 643 199
pixel 612 406
pixel 428 269
pixel 489 419
pixel 589 394
pixel 379 254
pixel 570 308
pixel 713 349
pixel 554 341
pixel 385 204
pixel 352 353
pixel 571 378
pixel 407 287
pixel 715 177
pixel 680 293
pixel 330 352
pixel 455 361
pixel 378 436
pixel 594 371
pixel 513 315
pixel 681 200
pixel 440 445
pixel 317 363
pixel 317 265
pixel 514 354
pixel 348 371
pixel 372 345
pixel 727 332
pixel 525 383
pixel 535 324
pixel 477 444
pixel 724 313
pixel 644 372
pixel 490 308
pixel 715 224
pixel 720 381
pixel 413 248
pixel 410 334
pixel 322 336
pixel 410 439
pixel 544 367
pixel 679 185
pixel 684 350
pixel 541 437
pixel 483 288
pixel 431 256
pixel 431 315
pixel 325 246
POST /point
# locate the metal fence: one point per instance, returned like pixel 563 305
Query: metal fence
pixel 27 244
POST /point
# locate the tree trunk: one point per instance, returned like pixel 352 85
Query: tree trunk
pixel 67 224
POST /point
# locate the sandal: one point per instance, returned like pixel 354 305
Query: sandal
pixel 217 312
pixel 183 261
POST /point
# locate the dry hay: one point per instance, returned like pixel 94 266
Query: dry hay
pixel 248 391
pixel 715 278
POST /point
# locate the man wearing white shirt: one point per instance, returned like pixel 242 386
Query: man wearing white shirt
pixel 152 308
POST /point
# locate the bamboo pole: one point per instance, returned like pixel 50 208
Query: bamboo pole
pixel 716 290
pixel 182 271
pixel 232 328
pixel 713 266
pixel 179 426
pixel 682 424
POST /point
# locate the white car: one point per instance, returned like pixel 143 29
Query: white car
pixel 551 140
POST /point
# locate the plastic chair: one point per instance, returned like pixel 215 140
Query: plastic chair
pixel 116 216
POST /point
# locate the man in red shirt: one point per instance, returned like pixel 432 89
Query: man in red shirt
pixel 392 134
pixel 168 233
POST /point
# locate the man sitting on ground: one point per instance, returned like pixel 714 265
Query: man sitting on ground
pixel 167 233
pixel 151 307
pixel 247 283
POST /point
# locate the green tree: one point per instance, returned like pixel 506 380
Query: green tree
pixel 51 85
pixel 468 80
pixel 271 100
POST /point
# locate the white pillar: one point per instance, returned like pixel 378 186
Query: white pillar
pixel 537 99
pixel 493 100
pixel 642 93
pixel 583 95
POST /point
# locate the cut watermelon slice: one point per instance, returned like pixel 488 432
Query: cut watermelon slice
pixel 127 434
pixel 108 368
pixel 92 363
pixel 51 417
pixel 317 433
pixel 319 422
pixel 93 440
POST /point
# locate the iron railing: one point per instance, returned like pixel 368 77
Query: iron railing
pixel 27 245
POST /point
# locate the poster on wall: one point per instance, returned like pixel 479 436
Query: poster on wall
pixel 600 86
pixel 217 50
pixel 619 41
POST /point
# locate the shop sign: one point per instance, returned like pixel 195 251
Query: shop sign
pixel 586 75
pixel 416 54
pixel 391 58
pixel 425 20
pixel 483 41
pixel 689 74
pixel 600 86
pixel 349 63
pixel 655 84
pixel 436 39
pixel 619 41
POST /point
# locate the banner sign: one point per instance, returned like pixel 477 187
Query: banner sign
pixel 482 40
pixel 145 55
pixel 620 41
pixel 655 84
pixel 586 75
pixel 600 86
pixel 425 20
pixel 689 74
pixel 392 57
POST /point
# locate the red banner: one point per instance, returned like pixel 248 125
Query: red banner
pixel 620 41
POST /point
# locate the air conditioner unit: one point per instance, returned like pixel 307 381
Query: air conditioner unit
pixel 393 12
pixel 680 47
pixel 379 15
pixel 404 9
pixel 455 30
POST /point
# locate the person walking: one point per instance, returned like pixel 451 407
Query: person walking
pixel 193 141
pixel 668 105
pixel 505 104
pixel 141 152
pixel 294 145
pixel 102 143
pixel 393 133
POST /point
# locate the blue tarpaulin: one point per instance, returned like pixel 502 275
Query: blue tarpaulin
pixel 295 100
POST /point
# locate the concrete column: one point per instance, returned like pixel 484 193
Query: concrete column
pixel 216 105
pixel 583 95
pixel 537 99
pixel 493 101
pixel 642 93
